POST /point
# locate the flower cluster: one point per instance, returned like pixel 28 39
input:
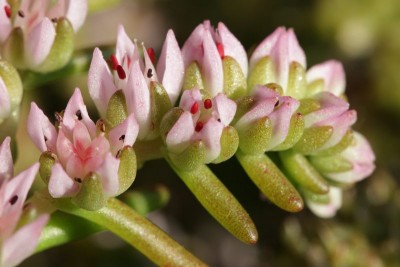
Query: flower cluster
pixel 258 108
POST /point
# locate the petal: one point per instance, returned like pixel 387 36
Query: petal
pixel 192 48
pixel 95 154
pixel 331 106
pixel 189 97
pixel 226 108
pixel 18 247
pixel 40 129
pixel 5 103
pixel 340 126
pixel 75 105
pixel 265 47
pixel 138 99
pixel 211 135
pixel 283 53
pixel 74 168
pixel 178 138
pixel 60 184
pixel 361 156
pixel 332 73
pixel 327 210
pixel 81 137
pixel 212 66
pixel 65 147
pixel 124 134
pixel 39 42
pixel 280 120
pixel 17 189
pixel 148 65
pixel 6 161
pixel 170 67
pixel 76 13
pixel 100 82
pixel 108 172
pixel 124 45
pixel 233 48
pixel 5 22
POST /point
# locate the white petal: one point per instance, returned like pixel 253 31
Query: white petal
pixel 108 173
pixel 23 243
pixel 212 66
pixel 39 42
pixel 170 67
pixel 226 108
pixel 60 184
pixel 100 82
pixel 233 47
pixel 211 136
pixel 75 104
pixel 76 12
pixel 129 129
pixel 178 138
pixel 6 161
pixel 327 210
pixel 40 129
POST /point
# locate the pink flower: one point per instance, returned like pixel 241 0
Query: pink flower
pixel 5 101
pixel 36 20
pixel 279 109
pixel 81 149
pixel 331 74
pixel 135 75
pixel 333 112
pixel 328 209
pixel 360 156
pixel 201 119
pixel 16 244
pixel 283 49
pixel 208 47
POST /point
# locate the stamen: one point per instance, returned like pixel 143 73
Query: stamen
pixel 194 108
pixel 101 125
pixel 7 9
pixel 122 138
pixel 149 73
pixel 152 55
pixel 121 72
pixel 199 126
pixel 114 62
pixel 54 20
pixel 119 152
pixel 21 13
pixel 277 103
pixel 78 180
pixel 58 117
pixel 79 114
pixel 207 103
pixel 221 51
pixel 13 200
pixel 45 138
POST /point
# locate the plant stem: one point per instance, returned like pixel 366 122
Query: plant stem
pixel 137 231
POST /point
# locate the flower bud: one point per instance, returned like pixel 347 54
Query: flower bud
pixel 215 61
pixel 39 35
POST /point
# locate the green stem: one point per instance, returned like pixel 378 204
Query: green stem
pixel 137 231
pixel 219 202
pixel 63 228
pixel 271 181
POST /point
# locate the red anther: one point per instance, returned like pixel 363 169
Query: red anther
pixel 221 51
pixel 207 103
pixel 7 9
pixel 194 108
pixel 114 62
pixel 199 126
pixel 121 72
pixel 152 54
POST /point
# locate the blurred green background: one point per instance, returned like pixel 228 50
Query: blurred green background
pixel 363 34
